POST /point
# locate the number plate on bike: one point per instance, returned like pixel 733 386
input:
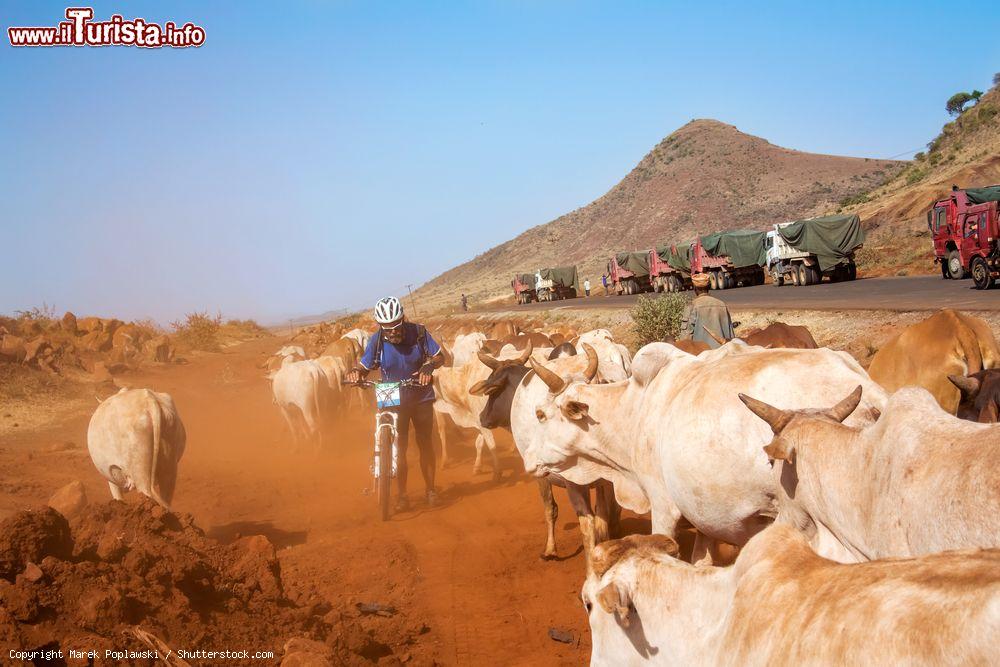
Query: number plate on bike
pixel 387 394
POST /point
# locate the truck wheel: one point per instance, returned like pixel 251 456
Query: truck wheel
pixel 981 274
pixel 712 281
pixel 776 279
pixel 815 276
pixel 723 280
pixel 852 271
pixel 800 274
pixel 955 267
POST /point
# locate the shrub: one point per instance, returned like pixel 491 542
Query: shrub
pixel 659 318
pixel 919 155
pixel 198 331
pixel 996 79
pixel 914 176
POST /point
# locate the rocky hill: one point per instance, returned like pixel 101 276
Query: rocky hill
pixel 705 177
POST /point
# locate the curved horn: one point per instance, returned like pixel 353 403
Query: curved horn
pixel 488 360
pixel 777 419
pixel 523 359
pixel 720 341
pixel 592 362
pixel 556 384
pixel 843 410
pixel 968 385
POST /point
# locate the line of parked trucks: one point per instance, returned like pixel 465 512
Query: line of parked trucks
pixel 965 227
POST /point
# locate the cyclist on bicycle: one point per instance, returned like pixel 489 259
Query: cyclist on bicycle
pixel 404 350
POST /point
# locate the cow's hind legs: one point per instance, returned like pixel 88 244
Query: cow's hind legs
pixel 491 444
pixel 705 551
pixel 441 427
pixel 477 467
pixel 579 497
pixel 606 518
pixel 551 514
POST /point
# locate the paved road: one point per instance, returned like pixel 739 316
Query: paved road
pixel 910 293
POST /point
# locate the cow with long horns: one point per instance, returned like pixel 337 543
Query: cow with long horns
pixel 597 520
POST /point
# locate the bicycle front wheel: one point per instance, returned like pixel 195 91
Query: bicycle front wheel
pixel 384 471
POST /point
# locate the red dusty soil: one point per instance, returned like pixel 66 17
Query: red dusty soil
pixel 464 578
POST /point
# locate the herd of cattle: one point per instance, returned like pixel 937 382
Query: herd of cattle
pixel 865 504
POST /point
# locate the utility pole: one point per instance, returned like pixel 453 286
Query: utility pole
pixel 413 304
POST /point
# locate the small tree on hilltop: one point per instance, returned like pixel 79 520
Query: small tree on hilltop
pixel 976 94
pixel 996 79
pixel 956 103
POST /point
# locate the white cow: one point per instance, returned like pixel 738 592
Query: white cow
pixel 466 346
pixel 672 438
pixel 359 335
pixel 301 390
pixel 136 439
pixel 781 604
pixel 615 359
pixel 918 481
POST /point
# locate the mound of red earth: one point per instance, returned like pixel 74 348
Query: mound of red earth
pixel 87 583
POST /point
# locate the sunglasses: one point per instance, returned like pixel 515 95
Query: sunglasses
pixel 393 328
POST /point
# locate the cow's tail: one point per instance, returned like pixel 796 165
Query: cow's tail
pixel 971 351
pixel 156 414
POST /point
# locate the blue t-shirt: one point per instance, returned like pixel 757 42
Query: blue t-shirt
pixel 401 362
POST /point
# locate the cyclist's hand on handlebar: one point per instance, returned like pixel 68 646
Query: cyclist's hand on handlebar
pixel 354 376
pixel 425 377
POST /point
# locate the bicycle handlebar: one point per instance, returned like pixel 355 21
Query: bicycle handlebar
pixel 370 383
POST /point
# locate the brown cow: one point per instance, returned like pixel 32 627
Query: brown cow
pixel 779 334
pixel 925 354
pixel 533 338
pixel 775 335
pixel 980 396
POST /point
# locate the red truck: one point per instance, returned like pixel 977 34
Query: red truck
pixel 966 230
pixel 524 288
pixel 629 272
pixel 670 267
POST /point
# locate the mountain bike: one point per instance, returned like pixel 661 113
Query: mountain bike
pixel 386 456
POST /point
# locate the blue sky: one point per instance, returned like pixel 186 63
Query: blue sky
pixel 315 155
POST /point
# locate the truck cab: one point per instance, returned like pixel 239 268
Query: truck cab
pixel 964 229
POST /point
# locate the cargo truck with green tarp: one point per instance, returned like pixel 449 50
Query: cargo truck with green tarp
pixel 524 288
pixel 555 283
pixel 670 267
pixel 804 251
pixel 731 259
pixel 629 272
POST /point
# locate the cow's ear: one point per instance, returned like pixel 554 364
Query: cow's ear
pixel 780 448
pixel 576 410
pixel 615 600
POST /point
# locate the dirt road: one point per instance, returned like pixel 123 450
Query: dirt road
pixel 466 573
pixel 899 294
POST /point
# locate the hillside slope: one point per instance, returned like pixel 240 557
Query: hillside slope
pixel 705 177
pixel 966 153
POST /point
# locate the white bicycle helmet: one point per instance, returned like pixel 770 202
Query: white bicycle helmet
pixel 388 310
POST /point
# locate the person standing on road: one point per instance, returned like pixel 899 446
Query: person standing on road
pixel 465 304
pixel 706 312
pixel 586 287
pixel 403 350
pixel 604 281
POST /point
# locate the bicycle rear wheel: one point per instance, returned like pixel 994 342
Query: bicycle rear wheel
pixel 384 471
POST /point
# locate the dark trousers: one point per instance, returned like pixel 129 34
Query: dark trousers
pixel 421 415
